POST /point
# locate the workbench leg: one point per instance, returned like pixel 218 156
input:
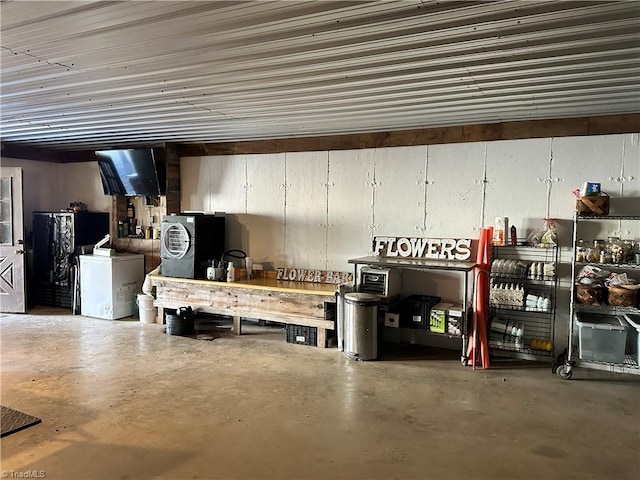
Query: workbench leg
pixel 237 325
pixel 322 337
pixel 160 315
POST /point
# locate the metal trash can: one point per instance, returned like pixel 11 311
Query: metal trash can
pixel 361 326
pixel 340 293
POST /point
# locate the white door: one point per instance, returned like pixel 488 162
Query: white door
pixel 12 250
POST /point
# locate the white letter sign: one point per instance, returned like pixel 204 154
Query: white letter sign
pixel 431 248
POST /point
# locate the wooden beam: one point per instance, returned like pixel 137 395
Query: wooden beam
pixel 173 179
pixel 23 152
pixel 43 154
pixel 562 127
pixel 603 125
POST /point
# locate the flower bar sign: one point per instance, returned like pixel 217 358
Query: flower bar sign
pixel 430 248
pixel 313 276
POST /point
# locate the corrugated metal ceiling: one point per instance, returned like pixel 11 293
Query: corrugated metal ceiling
pixel 84 75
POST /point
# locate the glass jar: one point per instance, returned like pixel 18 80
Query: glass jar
pixel 581 251
pixel 628 249
pixel 615 250
pixel 592 255
pixel 599 245
pixel 605 257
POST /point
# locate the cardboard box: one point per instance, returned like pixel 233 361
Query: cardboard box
pixel 455 320
pixel 500 231
pixel 438 317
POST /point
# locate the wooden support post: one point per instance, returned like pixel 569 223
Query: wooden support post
pixel 173 179
pixel 237 325
pixel 160 316
pixel 322 337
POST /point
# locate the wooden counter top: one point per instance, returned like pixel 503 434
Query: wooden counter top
pixel 266 282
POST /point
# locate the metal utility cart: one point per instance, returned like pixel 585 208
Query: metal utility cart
pixel 522 300
pixel 600 324
pixel 464 268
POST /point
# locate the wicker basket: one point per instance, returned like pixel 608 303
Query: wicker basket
pixel 623 297
pixel 596 205
pixel 590 294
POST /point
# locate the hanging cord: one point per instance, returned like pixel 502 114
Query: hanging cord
pixel 233 253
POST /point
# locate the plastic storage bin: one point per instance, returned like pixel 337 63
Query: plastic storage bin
pixel 301 335
pixel 633 342
pixel 602 338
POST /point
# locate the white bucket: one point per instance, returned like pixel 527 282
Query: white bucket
pixel 146 309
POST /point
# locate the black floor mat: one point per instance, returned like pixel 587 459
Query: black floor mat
pixel 12 421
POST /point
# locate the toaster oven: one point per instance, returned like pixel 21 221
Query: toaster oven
pixel 381 281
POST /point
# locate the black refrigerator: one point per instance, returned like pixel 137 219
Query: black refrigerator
pixel 58 238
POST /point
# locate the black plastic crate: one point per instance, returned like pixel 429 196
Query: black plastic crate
pixel 302 335
pixel 415 311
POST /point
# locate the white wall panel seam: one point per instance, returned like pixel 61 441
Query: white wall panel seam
pixel 483 182
pixel 326 222
pixel 284 207
pixel 425 186
pixel 549 179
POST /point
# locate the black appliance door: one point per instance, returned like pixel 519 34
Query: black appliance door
pixel 63 246
pixel 43 246
pixel 177 250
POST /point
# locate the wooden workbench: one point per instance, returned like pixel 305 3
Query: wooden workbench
pixel 265 298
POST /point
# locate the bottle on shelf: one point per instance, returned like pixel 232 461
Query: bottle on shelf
pixel 131 217
pixel 581 251
pixel 599 246
pixel 231 272
pixel 628 247
pixel 131 209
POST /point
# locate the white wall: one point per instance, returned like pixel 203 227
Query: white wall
pixel 40 186
pixel 318 209
pixel 52 186
pixel 81 182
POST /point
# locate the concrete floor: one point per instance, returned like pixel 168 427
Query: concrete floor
pixel 123 400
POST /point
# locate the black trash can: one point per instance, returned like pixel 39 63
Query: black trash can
pixel 181 322
pixel 361 326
